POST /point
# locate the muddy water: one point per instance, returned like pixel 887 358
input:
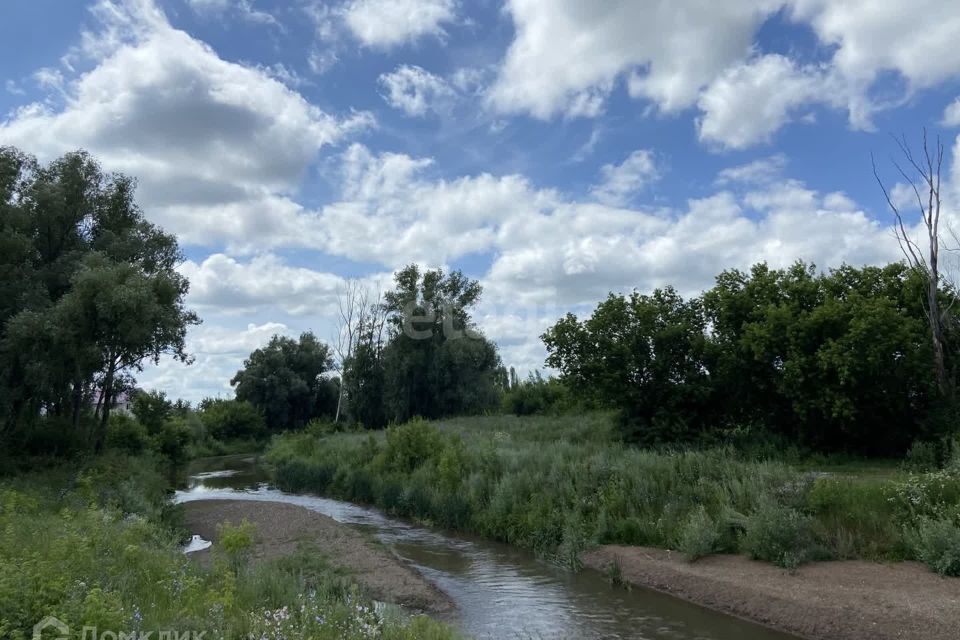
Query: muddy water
pixel 501 592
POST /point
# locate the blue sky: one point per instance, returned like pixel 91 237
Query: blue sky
pixel 554 150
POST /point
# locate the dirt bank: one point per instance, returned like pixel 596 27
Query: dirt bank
pixel 849 600
pixel 281 527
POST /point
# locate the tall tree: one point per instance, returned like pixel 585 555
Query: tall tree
pixel 437 362
pixel 285 381
pixel 90 288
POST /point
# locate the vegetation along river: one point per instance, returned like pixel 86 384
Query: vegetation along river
pixel 499 591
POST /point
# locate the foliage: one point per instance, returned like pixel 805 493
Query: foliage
pixel 285 381
pixel 644 355
pixel 231 419
pixel 555 485
pixel 95 548
pixel 536 396
pixel 152 409
pixel 937 544
pixel 434 362
pixel 90 292
pixel 778 534
pixel 922 457
pixel 127 434
pixel 236 543
pixel 835 361
pixel 700 536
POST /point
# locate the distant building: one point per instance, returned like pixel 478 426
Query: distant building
pixel 122 402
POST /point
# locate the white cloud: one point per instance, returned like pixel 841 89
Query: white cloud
pixel 568 54
pixel 219 351
pixel 392 215
pixel 624 180
pixel 416 91
pixel 916 38
pixel 228 285
pixel 389 23
pixel 218 147
pixel 243 8
pixel 751 101
pixel 951 115
pixel 760 171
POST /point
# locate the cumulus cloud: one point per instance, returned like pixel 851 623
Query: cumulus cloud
pixel 751 101
pixel 388 23
pixel 567 54
pixel 415 91
pixel 624 180
pixel 229 285
pixel 219 351
pixel 219 147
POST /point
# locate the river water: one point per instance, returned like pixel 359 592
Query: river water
pixel 501 592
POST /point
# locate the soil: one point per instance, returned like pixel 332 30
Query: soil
pixel 841 600
pixel 281 528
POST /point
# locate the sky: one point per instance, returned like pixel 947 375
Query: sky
pixel 554 150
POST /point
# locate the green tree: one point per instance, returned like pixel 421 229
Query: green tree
pixel 436 362
pixel 229 419
pixel 645 355
pixel 285 381
pixel 90 289
pixel 152 409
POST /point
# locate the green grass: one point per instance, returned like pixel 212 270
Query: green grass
pixel 100 547
pixel 559 485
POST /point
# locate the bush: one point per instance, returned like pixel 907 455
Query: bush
pixel 173 439
pixel 700 536
pixel 937 544
pixel 778 534
pixel 410 445
pixel 922 457
pixel 230 419
pixel 236 543
pixel 536 396
pixel 126 434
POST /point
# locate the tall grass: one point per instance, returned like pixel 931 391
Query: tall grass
pixel 100 547
pixel 558 485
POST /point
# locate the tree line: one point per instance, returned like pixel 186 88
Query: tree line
pixel 835 361
pixel 414 351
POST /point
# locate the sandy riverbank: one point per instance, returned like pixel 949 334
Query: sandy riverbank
pixel 849 600
pixel 281 527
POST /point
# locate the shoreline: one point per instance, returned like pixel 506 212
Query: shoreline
pixel 281 527
pixel 835 600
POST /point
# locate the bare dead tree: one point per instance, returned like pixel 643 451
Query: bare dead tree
pixel 351 309
pixel 922 175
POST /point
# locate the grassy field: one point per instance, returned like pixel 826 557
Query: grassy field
pixel 559 485
pixel 100 548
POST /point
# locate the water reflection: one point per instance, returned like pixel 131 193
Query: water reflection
pixel 500 591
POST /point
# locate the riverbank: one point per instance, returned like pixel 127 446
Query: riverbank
pixel 839 600
pixel 280 529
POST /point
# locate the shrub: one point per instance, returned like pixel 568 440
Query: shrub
pixel 937 544
pixel 536 396
pixel 126 434
pixel 778 534
pixel 230 419
pixel 410 445
pixel 922 457
pixel 173 439
pixel 700 535
pixel 236 543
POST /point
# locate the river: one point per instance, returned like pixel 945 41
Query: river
pixel 501 592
